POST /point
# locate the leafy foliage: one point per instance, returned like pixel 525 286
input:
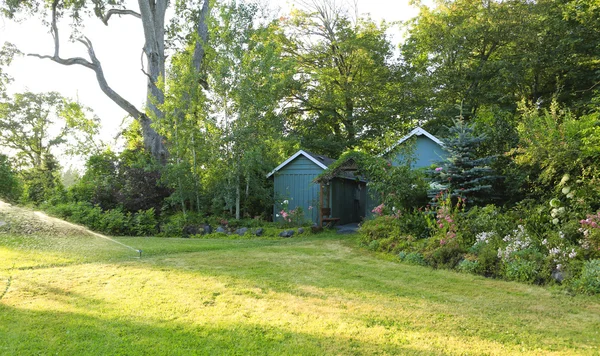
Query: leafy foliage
pixel 35 125
pixel 344 91
pixel 10 185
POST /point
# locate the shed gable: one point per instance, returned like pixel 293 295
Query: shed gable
pixel 425 153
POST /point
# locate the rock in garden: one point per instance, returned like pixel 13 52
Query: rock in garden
pixel 287 233
pixel 259 231
pixel 207 230
pixel 221 229
pixel 241 231
pixel 190 230
pixel 300 230
pixel 558 276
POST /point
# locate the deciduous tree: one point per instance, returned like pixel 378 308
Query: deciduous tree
pixel 152 15
pixel 34 125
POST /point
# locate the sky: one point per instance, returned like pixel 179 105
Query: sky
pixel 118 47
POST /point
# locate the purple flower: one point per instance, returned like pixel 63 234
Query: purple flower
pixel 438 169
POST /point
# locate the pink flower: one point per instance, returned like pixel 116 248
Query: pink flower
pixel 438 169
pixel 310 207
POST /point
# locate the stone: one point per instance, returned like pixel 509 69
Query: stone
pixel 221 229
pixel 207 230
pixel 300 230
pixel 190 230
pixel 259 232
pixel 241 231
pixel 558 275
pixel 287 233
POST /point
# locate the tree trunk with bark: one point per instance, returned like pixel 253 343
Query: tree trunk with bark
pixel 152 16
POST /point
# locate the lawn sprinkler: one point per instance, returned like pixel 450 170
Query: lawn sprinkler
pixel 140 251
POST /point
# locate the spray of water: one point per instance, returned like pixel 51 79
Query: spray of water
pixel 45 217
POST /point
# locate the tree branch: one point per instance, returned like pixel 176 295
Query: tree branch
pixel 93 65
pixel 202 32
pixel 111 12
pixel 142 64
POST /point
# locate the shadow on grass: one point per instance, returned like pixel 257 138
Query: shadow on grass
pixel 36 332
pixel 457 304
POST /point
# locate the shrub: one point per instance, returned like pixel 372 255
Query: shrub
pixel 389 234
pixel 446 256
pixel 589 281
pixel 379 228
pixel 10 186
pixel 374 245
pixel 468 266
pixel 144 223
pixel 415 258
pixel 487 219
pixel 521 271
pixel 115 222
pixel 488 263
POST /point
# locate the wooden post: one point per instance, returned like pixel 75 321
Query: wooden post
pixel 321 205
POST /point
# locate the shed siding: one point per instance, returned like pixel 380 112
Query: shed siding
pixel 294 182
pixel 426 153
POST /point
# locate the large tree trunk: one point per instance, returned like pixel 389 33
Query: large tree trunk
pixel 153 20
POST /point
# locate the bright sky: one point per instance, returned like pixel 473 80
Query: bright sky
pixel 118 47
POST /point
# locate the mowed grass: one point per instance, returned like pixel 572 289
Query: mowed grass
pixel 302 296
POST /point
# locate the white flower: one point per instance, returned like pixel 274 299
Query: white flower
pixel 559 266
pixel 561 210
pixel 555 221
pixel 544 242
pixel 285 202
pixel 570 195
pixel 572 254
pixel 276 215
pixel 566 190
pixel 564 179
pixel 561 234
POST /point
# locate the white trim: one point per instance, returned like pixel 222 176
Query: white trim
pixel 301 152
pixel 418 132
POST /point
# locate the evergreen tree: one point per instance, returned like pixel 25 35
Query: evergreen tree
pixel 464 173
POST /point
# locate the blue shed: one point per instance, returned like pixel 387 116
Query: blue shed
pixel 345 196
pixel 427 149
pixel 293 181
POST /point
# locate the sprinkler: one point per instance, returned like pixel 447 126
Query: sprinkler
pixel 140 251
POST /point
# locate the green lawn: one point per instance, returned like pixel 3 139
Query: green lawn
pixel 312 295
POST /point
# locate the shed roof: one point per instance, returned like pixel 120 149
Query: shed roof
pixel 419 131
pixel 320 160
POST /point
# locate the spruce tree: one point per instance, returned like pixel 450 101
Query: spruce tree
pixel 464 173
